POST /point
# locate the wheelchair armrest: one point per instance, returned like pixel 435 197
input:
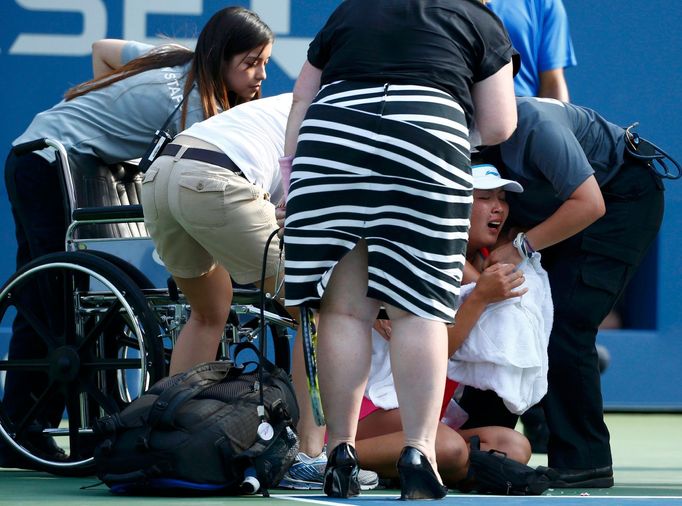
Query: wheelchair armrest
pixel 28 147
pixel 129 212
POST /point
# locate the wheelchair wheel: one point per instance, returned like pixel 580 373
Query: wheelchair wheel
pixel 144 284
pixel 170 311
pixel 94 348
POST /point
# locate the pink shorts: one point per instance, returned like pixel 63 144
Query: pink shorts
pixel 367 407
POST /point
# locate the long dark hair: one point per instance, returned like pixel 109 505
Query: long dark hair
pixel 230 31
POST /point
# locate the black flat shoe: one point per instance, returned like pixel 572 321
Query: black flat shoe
pixel 417 479
pixel 341 474
pixel 601 477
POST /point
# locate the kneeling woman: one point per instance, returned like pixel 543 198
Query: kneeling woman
pixel 380 435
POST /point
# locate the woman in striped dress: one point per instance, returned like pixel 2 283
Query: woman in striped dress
pixel 379 202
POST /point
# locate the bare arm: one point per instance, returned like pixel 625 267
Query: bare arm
pixel 580 210
pixel 106 56
pixel 496 283
pixel 495 106
pixel 306 87
pixel 553 85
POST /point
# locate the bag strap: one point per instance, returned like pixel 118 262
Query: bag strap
pixel 262 360
pixel 170 116
pixel 193 382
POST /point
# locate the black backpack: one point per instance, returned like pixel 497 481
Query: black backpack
pixel 202 431
pixel 492 472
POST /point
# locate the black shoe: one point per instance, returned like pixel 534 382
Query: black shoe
pixel 535 428
pixel 341 474
pixel 601 477
pixel 40 445
pixel 537 435
pixel 417 479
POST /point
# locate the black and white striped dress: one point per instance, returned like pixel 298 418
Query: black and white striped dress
pixel 390 164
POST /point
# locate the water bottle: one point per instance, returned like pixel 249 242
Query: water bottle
pixel 250 485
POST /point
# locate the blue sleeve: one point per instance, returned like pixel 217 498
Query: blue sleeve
pixel 134 49
pixel 556 46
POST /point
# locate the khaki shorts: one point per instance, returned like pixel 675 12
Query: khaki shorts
pixel 200 215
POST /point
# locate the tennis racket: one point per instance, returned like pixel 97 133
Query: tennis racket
pixel 309 335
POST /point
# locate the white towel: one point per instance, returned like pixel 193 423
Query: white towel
pixel 506 351
pixel 380 388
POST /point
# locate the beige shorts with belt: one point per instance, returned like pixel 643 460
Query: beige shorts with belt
pixel 200 215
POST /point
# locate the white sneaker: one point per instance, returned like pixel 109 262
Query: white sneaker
pixel 307 473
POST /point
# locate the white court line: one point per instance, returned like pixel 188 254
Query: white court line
pixel 303 499
pixel 483 496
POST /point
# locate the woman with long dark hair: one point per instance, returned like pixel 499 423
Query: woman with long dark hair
pixel 112 118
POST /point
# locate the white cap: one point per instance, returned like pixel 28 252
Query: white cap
pixel 487 177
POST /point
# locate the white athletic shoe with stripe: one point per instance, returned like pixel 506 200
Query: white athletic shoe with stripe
pixel 307 473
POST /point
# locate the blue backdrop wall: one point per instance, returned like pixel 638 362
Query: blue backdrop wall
pixel 629 70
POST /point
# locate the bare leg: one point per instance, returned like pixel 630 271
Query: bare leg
pixel 379 423
pixel 419 364
pixel 344 345
pixel 380 452
pixel 506 440
pixel 209 297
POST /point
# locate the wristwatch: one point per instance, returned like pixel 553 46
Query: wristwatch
pixel 523 246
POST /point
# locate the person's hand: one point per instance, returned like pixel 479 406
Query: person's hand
pixel 285 166
pixel 499 282
pixel 280 216
pixel 504 254
pixel 383 327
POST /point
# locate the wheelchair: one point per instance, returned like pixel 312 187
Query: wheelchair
pixel 114 316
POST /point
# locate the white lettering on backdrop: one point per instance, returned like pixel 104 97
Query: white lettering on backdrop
pixel 288 53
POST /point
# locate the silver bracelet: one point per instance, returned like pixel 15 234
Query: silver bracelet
pixel 523 246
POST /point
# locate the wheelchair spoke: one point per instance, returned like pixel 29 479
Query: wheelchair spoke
pixel 124 340
pixel 25 365
pixel 37 325
pixel 102 324
pixel 112 364
pixel 37 408
pixel 102 400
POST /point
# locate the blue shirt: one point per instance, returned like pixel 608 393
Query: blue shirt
pixel 539 31
pixel 556 146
